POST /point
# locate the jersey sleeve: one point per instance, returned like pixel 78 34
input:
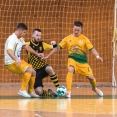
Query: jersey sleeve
pixel 47 46
pixel 27 43
pixel 63 43
pixel 11 43
pixel 89 44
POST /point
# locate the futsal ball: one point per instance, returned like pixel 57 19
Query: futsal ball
pixel 61 91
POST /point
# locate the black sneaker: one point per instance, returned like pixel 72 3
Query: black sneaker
pixel 52 93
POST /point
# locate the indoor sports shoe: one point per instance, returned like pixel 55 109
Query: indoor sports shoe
pixel 98 92
pixel 33 95
pixel 68 95
pixel 24 93
pixel 52 93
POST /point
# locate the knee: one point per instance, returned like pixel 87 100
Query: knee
pixel 71 69
pixel 31 71
pixel 90 77
pixel 39 91
pixel 50 70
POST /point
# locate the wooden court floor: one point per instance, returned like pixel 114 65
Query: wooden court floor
pixel 84 103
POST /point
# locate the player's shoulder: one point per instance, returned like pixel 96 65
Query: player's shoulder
pixel 84 37
pixel 28 43
pixel 12 36
pixel 43 42
pixel 67 37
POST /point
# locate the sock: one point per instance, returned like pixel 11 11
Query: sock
pixel 93 83
pixel 25 80
pixel 54 79
pixel 31 84
pixel 46 93
pixel 69 81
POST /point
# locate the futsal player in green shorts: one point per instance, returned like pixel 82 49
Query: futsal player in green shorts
pixel 77 45
pixel 41 67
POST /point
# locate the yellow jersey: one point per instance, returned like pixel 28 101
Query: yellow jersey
pixel 77 47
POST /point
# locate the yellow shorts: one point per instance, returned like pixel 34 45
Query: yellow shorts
pixel 83 69
pixel 18 69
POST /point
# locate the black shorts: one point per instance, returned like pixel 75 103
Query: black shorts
pixel 40 74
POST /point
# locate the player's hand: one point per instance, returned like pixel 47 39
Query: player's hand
pixel 18 62
pixel 100 59
pixel 44 58
pixel 53 42
pixel 41 55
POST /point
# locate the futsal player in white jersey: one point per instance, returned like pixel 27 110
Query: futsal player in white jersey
pixel 13 63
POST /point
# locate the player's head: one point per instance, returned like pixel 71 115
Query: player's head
pixel 21 30
pixel 36 35
pixel 77 28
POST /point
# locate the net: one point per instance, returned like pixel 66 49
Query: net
pixel 55 18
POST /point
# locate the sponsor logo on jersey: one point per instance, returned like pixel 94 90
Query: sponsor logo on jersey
pixel 75 48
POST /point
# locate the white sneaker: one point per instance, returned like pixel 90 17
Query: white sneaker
pixel 24 93
pixel 68 94
pixel 33 95
pixel 98 92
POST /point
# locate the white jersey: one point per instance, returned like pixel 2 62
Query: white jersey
pixel 14 44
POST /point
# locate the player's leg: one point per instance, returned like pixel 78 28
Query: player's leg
pixel 71 70
pixel 38 86
pixel 40 74
pixel 69 80
pixel 31 82
pixel 28 79
pixel 52 75
pixel 41 92
pixel 26 76
pixel 85 70
pixel 92 81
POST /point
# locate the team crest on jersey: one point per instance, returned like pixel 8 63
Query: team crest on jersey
pixel 40 48
pixel 80 41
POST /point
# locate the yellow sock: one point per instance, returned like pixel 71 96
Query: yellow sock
pixel 25 80
pixel 31 84
pixel 69 81
pixel 93 83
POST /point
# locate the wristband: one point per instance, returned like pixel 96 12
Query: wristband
pixel 98 57
pixel 54 46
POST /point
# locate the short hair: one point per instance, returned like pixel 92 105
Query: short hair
pixel 36 29
pixel 78 23
pixel 21 26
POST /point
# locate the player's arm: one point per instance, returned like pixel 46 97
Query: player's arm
pixel 52 52
pixel 15 58
pixel 10 51
pixel 61 45
pixel 95 53
pixel 28 48
pixel 51 46
pixel 90 48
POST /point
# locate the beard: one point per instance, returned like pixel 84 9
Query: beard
pixel 35 40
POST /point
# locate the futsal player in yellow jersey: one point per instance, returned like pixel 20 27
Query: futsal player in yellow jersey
pixel 77 45
pixel 13 46
pixel 41 67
